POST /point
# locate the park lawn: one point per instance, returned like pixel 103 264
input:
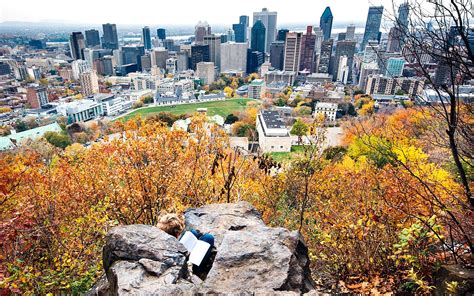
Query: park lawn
pixel 295 152
pixel 222 108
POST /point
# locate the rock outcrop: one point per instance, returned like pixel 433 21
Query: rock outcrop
pixel 250 257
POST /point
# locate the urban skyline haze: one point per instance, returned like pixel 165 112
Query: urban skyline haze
pixel 188 13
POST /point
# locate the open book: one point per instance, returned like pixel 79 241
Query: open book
pixel 196 248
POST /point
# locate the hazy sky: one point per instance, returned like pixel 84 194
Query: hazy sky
pixel 181 11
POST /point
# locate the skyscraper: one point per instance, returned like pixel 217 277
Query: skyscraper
pixel 161 33
pixel 254 60
pixel 282 34
pixel 394 40
pixel 258 37
pixel 92 38
pixel 394 67
pixel 403 11
pixel 132 55
pixel 214 43
pixel 240 29
pixel 277 54
pixel 372 25
pixel 325 23
pixel 77 45
pixel 350 32
pixel 292 51
pixel 325 56
pixel 146 37
pixel 234 57
pixel 199 53
pixel 307 50
pixel 110 38
pixel 202 29
pixel 344 48
pixel 269 20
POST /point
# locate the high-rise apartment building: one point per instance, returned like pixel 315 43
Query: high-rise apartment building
pixel 325 23
pixel 292 51
pixel 89 83
pixel 146 38
pixel 372 25
pixel 77 45
pixel 214 43
pixel 269 21
pixel 110 37
pixel 92 38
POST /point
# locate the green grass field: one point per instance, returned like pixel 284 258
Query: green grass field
pixel 287 156
pixel 222 108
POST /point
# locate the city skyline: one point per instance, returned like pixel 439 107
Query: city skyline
pixel 218 14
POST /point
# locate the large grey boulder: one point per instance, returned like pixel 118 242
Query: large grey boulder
pixel 251 258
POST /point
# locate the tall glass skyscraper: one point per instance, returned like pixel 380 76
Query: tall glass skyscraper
pixel 258 37
pixel 110 38
pixel 269 21
pixel 92 38
pixel 146 37
pixel 325 23
pixel 282 34
pixel 77 45
pixel 372 26
pixel 161 33
pixel 240 29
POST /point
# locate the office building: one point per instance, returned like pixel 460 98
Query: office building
pixel 382 85
pixel 254 60
pixel 145 62
pixel 394 67
pixel 371 54
pixel 214 43
pixel 202 29
pixel 205 71
pixel 292 51
pixel 403 12
pixel 34 73
pixel 110 37
pixel 91 55
pixel 89 83
pixel 182 61
pixel 158 57
pixel 106 66
pixel 132 55
pixel 325 23
pixel 199 53
pixel 240 29
pixel 146 38
pixel 80 110
pixel 287 77
pixel 92 38
pixel 230 36
pixel 277 54
pixel 37 96
pixel 161 33
pixel 394 40
pixel 258 37
pixel 372 25
pixel 325 56
pixel 171 65
pixel 233 57
pixel 269 21
pixel 273 136
pixel 341 36
pixel 117 54
pixel 342 69
pixel 281 36
pixel 308 42
pixel 347 49
pixel 350 32
pixel 4 68
pixel 77 45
